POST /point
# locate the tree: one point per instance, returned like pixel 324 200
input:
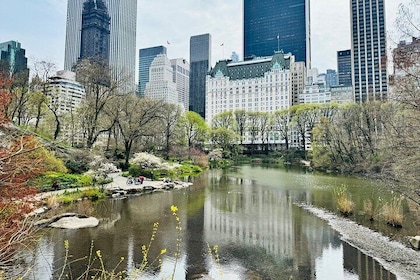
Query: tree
pixel 281 123
pixel 224 119
pixel 135 118
pixel 305 116
pixel 5 97
pixel 241 117
pixel 195 128
pixel 101 90
pixel 225 139
pixel 170 117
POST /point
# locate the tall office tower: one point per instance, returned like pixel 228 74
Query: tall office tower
pixel 95 31
pixel 181 77
pixel 298 80
pixel 146 57
pixel 200 59
pixel 13 60
pixel 344 67
pixel 369 61
pixel 331 79
pixel 273 25
pixel 122 47
pixel 161 85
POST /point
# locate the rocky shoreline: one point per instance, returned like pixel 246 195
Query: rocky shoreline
pixel 392 255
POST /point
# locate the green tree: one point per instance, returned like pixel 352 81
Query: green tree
pixel 225 139
pixel 195 129
pixel 241 117
pixel 282 123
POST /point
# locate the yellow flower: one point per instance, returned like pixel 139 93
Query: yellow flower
pixel 163 251
pixel 174 209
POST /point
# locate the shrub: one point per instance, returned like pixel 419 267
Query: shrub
pixel 75 166
pixel 343 200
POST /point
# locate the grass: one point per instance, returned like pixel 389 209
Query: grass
pixel 392 211
pixel 345 203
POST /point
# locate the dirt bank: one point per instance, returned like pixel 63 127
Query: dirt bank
pixel 393 256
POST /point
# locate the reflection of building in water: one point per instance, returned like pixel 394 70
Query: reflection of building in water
pixel 246 220
pixel 363 265
pixel 251 215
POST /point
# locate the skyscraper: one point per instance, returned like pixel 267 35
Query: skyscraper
pixel 181 70
pixel 146 57
pixel 14 61
pixel 272 25
pixel 369 61
pixel 161 85
pixel 200 58
pixel 122 49
pixel 95 31
pixel 344 67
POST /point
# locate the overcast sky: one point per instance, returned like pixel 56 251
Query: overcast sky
pixel 40 26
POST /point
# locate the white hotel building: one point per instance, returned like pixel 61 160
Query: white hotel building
pixel 260 84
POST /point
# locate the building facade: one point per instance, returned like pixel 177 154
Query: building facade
pixel 298 80
pixel 181 77
pixel 259 85
pixel 200 59
pixel 66 95
pixel 65 92
pixel 95 32
pixel 273 25
pixel 146 57
pixel 344 68
pixel 122 47
pixel 406 58
pixel 13 59
pixel 161 85
pixel 369 59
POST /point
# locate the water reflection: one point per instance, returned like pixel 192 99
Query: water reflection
pixel 249 213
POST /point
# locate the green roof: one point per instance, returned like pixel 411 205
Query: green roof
pixel 252 68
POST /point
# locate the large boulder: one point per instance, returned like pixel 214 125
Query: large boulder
pixel 75 222
pixel 415 242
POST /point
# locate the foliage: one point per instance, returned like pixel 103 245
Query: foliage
pixel 90 193
pixel 78 161
pixel 343 200
pixel 196 129
pixel 46 180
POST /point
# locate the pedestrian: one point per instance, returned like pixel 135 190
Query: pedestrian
pixel 141 179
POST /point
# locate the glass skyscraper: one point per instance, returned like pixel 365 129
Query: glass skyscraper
pixel 13 59
pixel 95 31
pixel 369 60
pixel 122 50
pixel 273 25
pixel 146 57
pixel 200 59
pixel 344 67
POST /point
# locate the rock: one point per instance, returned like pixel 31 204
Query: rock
pixel 75 223
pixel 415 242
pixel 46 222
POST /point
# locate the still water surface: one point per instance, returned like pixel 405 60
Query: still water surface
pixel 248 212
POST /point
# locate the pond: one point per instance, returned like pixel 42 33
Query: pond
pixel 241 223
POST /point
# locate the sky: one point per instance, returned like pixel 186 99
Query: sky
pixel 40 26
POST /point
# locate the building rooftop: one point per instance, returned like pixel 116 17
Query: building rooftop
pixel 252 68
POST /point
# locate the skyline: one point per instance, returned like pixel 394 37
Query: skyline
pixel 175 22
